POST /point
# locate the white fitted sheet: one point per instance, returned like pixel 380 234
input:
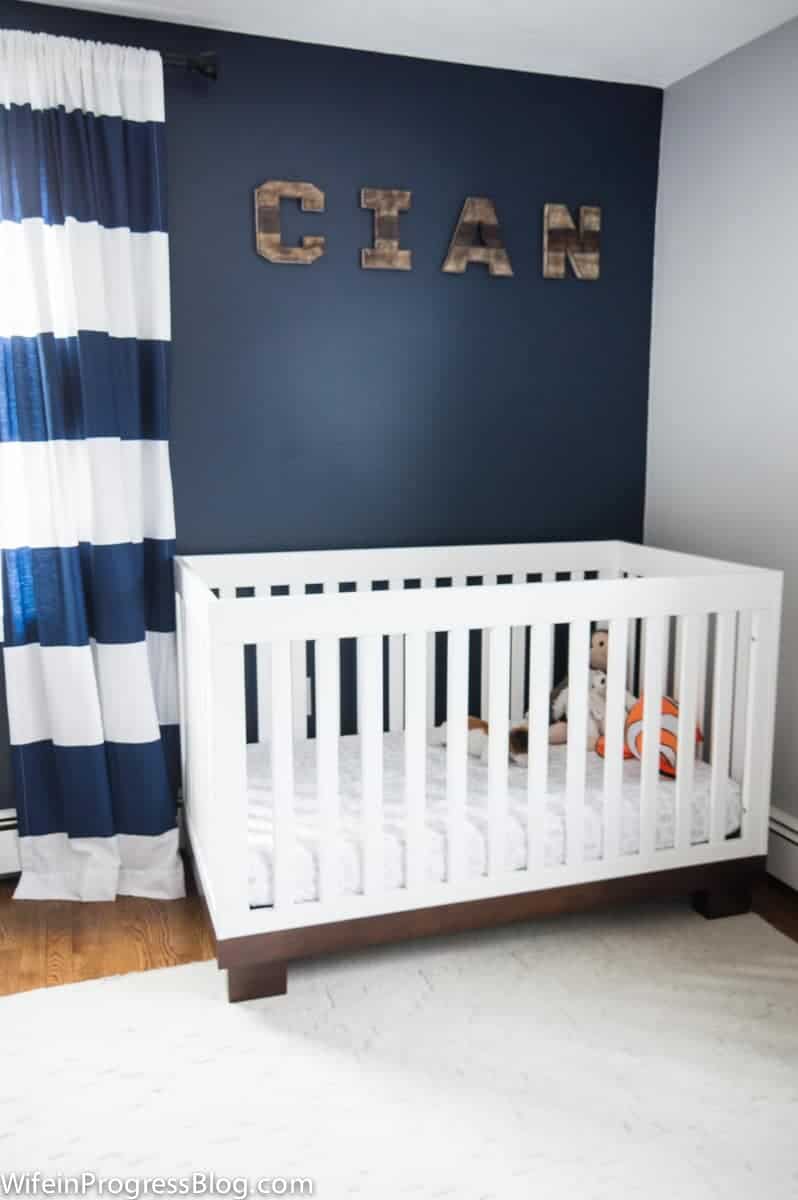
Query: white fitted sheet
pixel 348 858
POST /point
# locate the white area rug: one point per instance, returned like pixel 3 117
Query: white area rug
pixel 643 1054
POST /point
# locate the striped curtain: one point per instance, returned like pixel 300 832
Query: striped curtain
pixel 86 513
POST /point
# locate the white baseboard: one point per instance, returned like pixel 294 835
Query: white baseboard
pixel 783 847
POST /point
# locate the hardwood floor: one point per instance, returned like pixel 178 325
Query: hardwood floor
pixel 46 943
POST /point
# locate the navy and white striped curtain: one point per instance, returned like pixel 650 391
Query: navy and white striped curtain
pixel 86 512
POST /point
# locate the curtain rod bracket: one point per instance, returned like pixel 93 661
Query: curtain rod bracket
pixel 205 64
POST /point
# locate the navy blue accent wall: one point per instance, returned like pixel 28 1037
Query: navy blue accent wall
pixel 327 406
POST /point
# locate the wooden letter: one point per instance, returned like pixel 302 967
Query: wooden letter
pixel 387 204
pixel 561 240
pixel 478 220
pixel 267 221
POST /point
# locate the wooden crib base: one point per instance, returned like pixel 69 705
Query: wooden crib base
pixel 257 963
pixel 254 981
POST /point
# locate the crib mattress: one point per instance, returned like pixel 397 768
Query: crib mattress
pixel 348 861
pixel 348 856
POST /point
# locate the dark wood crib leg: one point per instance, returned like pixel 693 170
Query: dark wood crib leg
pixel 256 981
pixel 729 900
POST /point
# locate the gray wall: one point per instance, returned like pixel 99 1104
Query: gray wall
pixel 722 475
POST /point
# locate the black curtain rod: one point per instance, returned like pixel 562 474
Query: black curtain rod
pixel 206 64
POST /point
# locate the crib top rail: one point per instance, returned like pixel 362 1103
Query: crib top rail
pixel 355 614
pixel 609 559
pixel 402 562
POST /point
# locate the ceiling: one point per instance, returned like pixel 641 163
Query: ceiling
pixel 629 41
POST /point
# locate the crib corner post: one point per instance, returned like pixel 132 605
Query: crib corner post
pixel 225 844
pixel 256 981
pixel 728 889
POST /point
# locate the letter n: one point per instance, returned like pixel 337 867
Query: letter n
pixel 562 240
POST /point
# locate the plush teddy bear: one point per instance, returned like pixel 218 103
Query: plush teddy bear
pixel 558 729
pixel 596 707
pixel 599 653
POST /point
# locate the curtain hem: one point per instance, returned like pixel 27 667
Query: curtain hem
pixel 56 867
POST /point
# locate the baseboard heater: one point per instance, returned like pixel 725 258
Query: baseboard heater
pixel 9 848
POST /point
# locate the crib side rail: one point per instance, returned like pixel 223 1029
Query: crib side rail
pixel 635 559
pixel 414 615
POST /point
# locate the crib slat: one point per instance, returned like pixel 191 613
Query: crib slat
pixel 615 726
pixel 396 673
pixel 688 633
pixel 741 685
pixel 358 586
pixel 517 664
pixel 429 582
pixel 701 701
pixel 328 731
pixel 299 673
pixel 721 722
pixel 415 757
pixel 369 686
pixel 263 681
pixel 282 757
pixel 456 750
pixel 484 689
pixel 299 694
pixel 550 577
pixel 540 670
pixel 654 642
pixel 484 677
pixel 576 760
pixel 498 700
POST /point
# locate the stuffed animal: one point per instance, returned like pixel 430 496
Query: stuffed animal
pixel 599 653
pixel 478 741
pixel 668 735
pixel 596 707
pixel 518 737
pixel 596 711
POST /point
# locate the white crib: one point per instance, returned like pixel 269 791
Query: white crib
pixel 425 623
